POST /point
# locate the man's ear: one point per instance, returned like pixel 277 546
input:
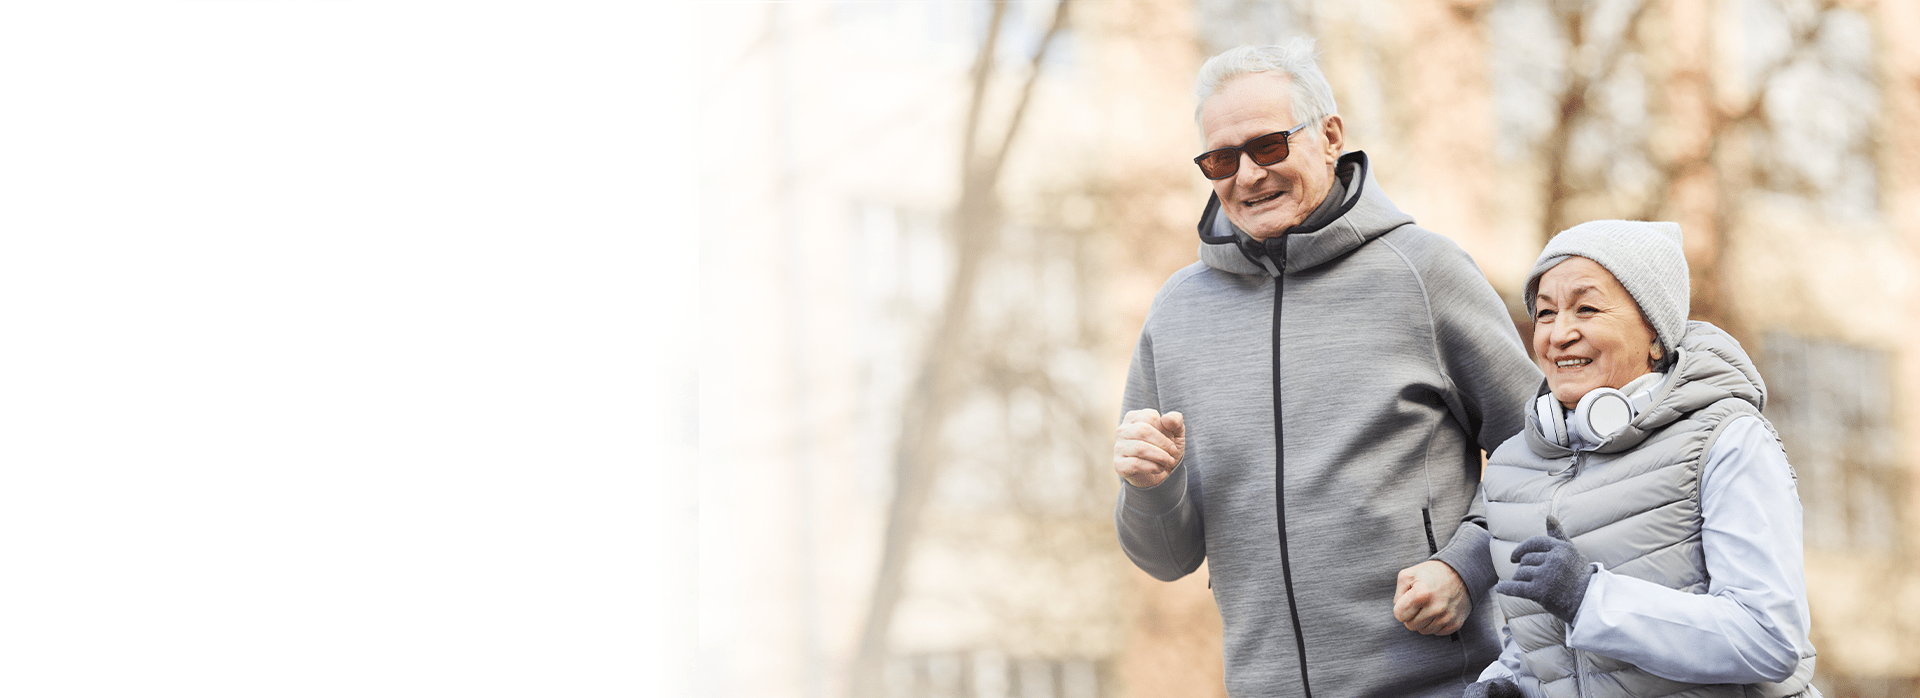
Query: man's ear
pixel 1336 134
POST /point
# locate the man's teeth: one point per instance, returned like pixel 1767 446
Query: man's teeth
pixel 1264 199
pixel 1569 363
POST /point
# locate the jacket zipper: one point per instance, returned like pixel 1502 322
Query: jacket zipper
pixel 1279 476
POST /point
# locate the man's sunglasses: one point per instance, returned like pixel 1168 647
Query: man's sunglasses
pixel 1265 150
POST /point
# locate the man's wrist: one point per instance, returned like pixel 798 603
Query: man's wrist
pixel 1467 554
pixel 1159 498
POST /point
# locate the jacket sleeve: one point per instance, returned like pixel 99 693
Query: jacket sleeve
pixel 1492 381
pixel 1469 553
pixel 1508 667
pixel 1483 356
pixel 1159 526
pixel 1752 623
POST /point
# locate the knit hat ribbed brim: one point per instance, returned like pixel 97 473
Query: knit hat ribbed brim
pixel 1647 258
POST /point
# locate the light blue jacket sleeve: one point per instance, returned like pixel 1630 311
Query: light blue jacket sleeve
pixel 1509 664
pixel 1752 623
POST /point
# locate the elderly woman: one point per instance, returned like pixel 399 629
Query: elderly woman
pixel 1645 523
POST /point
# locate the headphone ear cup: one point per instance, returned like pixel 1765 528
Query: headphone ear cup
pixel 1553 420
pixel 1602 413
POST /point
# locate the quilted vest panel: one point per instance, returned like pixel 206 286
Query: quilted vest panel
pixel 1638 513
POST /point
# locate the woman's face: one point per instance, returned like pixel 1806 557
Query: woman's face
pixel 1587 331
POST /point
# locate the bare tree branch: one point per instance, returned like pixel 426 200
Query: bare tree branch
pixel 934 394
pixel 1573 109
pixel 1026 91
pixel 1727 120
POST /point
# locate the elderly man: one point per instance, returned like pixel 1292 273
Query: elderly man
pixel 1308 405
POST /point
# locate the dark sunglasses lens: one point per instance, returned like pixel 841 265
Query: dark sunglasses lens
pixel 1268 149
pixel 1220 164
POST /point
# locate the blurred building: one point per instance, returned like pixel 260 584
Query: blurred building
pixel 841 239
pixel 851 240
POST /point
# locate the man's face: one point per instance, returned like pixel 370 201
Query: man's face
pixel 1266 200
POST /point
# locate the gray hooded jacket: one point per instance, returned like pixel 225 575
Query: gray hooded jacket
pixel 1339 384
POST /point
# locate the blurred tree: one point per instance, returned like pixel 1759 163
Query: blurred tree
pixel 1648 121
pixel 937 393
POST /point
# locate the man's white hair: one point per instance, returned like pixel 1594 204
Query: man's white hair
pixel 1307 91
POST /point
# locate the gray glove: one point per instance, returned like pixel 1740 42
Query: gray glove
pixel 1552 573
pixel 1502 687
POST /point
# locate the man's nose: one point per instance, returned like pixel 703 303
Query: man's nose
pixel 1249 171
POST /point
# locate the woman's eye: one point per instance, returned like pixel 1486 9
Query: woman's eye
pixel 1588 310
pixel 1544 315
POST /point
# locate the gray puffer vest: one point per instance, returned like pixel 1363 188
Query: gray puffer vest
pixel 1646 479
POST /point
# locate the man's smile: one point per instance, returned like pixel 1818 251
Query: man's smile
pixel 1263 199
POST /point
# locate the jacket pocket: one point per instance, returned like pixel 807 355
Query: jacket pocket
pixel 1433 544
pixel 1426 519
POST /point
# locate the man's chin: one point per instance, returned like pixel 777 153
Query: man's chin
pixel 1265 226
pixel 1263 230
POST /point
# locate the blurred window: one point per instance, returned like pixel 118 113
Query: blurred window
pixel 993 674
pixel 940 32
pixel 902 268
pixel 1225 24
pixel 1832 403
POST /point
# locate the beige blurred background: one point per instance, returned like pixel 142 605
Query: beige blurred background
pixel 930 230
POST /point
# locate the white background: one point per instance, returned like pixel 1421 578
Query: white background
pixel 347 348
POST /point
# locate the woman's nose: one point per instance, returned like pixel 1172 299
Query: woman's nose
pixel 1564 334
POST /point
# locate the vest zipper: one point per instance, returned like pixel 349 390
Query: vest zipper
pixel 1279 473
pixel 1579 670
pixel 1553 509
pixel 1553 503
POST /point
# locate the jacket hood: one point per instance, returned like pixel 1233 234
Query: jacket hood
pixel 1366 214
pixel 1711 366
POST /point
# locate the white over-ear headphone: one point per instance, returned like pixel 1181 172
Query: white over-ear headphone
pixel 1600 414
pixel 1606 411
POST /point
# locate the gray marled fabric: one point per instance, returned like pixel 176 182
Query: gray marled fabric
pixel 1397 365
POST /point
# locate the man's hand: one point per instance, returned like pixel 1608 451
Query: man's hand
pixel 1148 445
pixel 1430 599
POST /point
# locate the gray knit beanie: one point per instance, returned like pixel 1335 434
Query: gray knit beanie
pixel 1646 258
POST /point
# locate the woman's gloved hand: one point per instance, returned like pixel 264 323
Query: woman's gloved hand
pixel 1502 687
pixel 1552 573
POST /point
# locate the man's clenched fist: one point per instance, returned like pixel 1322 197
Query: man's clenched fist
pixel 1430 599
pixel 1148 445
